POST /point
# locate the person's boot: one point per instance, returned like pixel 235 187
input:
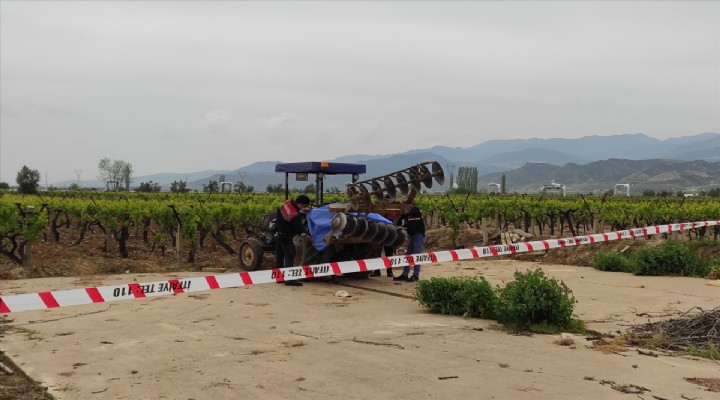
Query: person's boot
pixel 401 278
pixel 390 273
pixel 375 273
pixel 293 283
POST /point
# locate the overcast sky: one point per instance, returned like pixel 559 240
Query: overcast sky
pixel 186 86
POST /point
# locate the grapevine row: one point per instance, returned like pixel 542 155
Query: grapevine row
pixel 160 220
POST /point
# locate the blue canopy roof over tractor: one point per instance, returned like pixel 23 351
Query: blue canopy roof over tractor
pixel 326 167
pixel 319 169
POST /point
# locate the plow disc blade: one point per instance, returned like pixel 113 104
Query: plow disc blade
pixel 382 232
pixel 437 173
pixel 372 230
pixel 425 176
pixel 361 228
pixel 350 226
pixel 391 235
pixel 338 223
pixel 390 187
pixel 377 191
pixel 402 183
pixel 401 238
pixel 414 180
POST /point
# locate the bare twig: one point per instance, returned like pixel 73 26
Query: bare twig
pixel 308 336
pixel 378 344
pixel 41 321
pixel 6 369
pixel 693 328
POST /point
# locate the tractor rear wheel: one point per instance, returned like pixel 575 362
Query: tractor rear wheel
pixel 251 254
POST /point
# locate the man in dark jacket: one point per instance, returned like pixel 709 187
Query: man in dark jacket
pixel 289 223
pixel 415 225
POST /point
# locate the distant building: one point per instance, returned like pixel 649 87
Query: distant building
pixel 554 188
pixel 620 187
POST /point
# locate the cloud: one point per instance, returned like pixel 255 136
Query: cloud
pixel 279 120
pixel 8 111
pixel 217 121
pixel 217 117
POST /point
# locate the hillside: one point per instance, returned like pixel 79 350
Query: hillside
pixel 586 163
pixel 657 175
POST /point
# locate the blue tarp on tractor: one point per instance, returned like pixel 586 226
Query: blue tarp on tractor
pixel 319 222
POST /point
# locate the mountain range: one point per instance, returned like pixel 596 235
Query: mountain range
pixel 583 164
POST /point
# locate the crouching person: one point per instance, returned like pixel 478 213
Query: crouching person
pixel 289 223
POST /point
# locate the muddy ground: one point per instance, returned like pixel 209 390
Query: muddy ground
pixel 274 341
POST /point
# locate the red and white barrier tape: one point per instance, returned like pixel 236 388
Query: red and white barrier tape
pixel 102 294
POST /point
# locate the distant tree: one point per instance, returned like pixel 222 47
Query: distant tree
pixel 149 187
pixel 4 185
pixel 503 188
pixel 115 170
pixel 240 187
pixel 648 193
pixel 179 187
pixel 452 182
pixel 127 175
pixel 714 192
pixel 310 189
pixel 211 187
pixel 467 180
pixel 275 188
pixel 27 180
pixel 74 186
pixel 334 190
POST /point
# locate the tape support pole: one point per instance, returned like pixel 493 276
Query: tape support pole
pixel 102 294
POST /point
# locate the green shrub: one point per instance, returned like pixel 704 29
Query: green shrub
pixel 612 261
pixel 673 257
pixel 713 270
pixel 471 297
pixel 439 295
pixel 711 351
pixel 533 299
pixel 478 298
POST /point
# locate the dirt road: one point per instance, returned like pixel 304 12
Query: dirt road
pixel 277 342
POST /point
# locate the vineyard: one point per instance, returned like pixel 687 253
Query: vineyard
pixel 191 226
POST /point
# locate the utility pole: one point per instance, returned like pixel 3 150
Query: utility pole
pixel 78 172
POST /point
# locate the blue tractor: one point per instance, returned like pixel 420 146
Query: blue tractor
pixel 353 230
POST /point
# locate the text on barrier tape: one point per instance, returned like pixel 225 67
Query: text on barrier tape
pixel 102 294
